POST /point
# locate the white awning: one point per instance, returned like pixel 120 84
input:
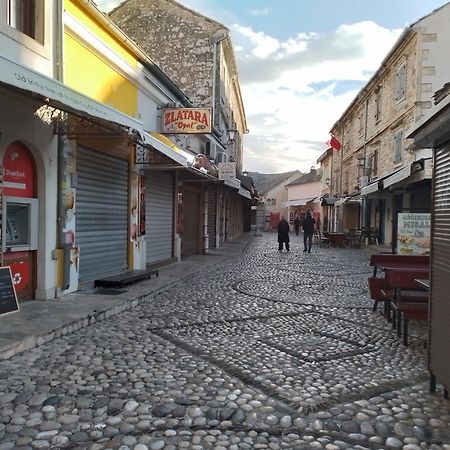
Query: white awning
pixel 161 147
pixel 398 176
pixel 244 193
pixel 341 201
pixel 233 183
pixel 299 202
pixel 370 188
pixel 59 96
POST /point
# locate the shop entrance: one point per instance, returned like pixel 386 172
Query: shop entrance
pixel 20 224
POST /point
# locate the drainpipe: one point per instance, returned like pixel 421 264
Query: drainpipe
pixel 63 249
pixel 364 200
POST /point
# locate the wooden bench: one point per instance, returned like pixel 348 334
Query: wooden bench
pixel 122 279
pixel 407 300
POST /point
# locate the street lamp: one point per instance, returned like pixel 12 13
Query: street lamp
pixel 231 135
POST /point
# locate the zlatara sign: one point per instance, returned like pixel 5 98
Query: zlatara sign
pixel 187 120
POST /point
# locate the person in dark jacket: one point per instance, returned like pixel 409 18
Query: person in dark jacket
pixel 297 224
pixel 283 234
pixel 308 231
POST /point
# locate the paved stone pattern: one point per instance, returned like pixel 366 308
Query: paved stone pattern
pixel 266 351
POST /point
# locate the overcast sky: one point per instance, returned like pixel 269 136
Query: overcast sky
pixel 301 63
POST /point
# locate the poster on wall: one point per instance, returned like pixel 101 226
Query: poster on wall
pixel 413 233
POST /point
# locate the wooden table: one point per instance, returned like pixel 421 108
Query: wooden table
pixel 402 265
pixel 336 239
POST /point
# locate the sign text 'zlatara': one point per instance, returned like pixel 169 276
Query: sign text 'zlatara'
pixel 186 120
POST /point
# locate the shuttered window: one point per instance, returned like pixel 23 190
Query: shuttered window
pixel 398 145
pixel 400 83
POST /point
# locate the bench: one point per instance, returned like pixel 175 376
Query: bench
pixel 382 258
pixel 124 278
pixel 407 300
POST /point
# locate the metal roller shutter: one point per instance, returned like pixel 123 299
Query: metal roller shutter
pixel 212 215
pixel 439 329
pixel 159 198
pixel 101 214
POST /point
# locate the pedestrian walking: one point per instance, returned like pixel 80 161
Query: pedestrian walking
pixel 308 231
pixel 297 224
pixel 283 234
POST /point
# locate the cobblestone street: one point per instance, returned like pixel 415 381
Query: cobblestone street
pixel 270 350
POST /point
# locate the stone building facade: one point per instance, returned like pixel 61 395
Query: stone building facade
pixel 375 170
pixel 197 54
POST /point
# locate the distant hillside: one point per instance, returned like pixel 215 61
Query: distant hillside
pixel 264 182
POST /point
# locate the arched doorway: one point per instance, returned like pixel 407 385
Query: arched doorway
pixel 20 210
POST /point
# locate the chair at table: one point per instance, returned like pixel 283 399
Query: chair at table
pixel 354 238
pixel 320 238
pixel 409 301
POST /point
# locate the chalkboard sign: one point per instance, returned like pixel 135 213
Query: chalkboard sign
pixel 8 298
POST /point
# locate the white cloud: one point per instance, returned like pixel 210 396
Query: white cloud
pixel 260 12
pixel 294 91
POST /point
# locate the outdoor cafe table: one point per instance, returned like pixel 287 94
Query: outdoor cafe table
pixel 336 239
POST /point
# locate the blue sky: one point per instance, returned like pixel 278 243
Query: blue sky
pixel 301 63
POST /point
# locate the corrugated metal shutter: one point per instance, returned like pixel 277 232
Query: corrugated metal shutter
pixel 101 214
pixel 191 223
pixel 159 198
pixel 439 345
pixel 212 216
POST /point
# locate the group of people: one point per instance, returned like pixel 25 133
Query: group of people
pixel 308 232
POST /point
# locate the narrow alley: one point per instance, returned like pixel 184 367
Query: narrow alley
pixel 267 350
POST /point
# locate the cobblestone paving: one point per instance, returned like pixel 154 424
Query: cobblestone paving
pixel 268 351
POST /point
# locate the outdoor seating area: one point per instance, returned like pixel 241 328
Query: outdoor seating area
pixel 354 238
pixel 400 283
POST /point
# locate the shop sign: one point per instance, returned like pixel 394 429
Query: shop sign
pixel 413 233
pixel 227 170
pixel 18 172
pixel 186 120
pixel 8 298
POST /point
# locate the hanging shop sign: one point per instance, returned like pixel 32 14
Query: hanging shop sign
pixel 413 233
pixel 186 120
pixel 227 171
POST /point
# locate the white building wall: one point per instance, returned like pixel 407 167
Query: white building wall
pixel 434 34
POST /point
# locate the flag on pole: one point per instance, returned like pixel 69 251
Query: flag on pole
pixel 334 143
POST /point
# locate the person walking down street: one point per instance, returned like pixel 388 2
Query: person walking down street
pixel 297 224
pixel 308 232
pixel 283 234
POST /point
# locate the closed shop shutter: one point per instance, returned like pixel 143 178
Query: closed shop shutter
pixel 159 198
pixel 439 343
pixel 212 216
pixel 101 214
pixel 191 222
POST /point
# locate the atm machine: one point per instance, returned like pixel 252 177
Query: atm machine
pixel 19 242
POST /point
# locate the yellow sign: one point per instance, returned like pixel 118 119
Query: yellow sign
pixel 186 120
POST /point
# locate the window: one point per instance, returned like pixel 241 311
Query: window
pixel 400 83
pixel 374 163
pixel 398 145
pixel 27 16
